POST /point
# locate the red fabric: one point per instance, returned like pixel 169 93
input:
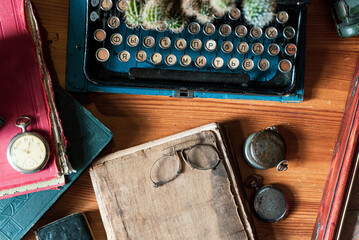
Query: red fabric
pixel 21 93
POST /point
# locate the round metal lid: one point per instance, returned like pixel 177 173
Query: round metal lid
pixel 268 148
pixel 270 204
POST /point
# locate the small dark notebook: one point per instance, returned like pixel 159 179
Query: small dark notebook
pixel 71 227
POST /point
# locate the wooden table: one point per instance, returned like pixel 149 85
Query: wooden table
pixel 310 128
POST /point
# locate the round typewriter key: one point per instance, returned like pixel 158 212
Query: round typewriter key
pixel 121 5
pixel 290 49
pixel 148 42
pixel 284 66
pixel 256 32
pixel 233 63
pixel 171 60
pixel 243 48
pixel 124 56
pixel 282 17
pixel 100 35
pixel 113 22
pixel 116 39
pixel 217 15
pixel 217 62
pixel 162 27
pixel 102 54
pixel 106 5
pixel 94 3
pixel 241 31
pixel 200 61
pixel 185 60
pixel 235 14
pixel 181 44
pixel 289 32
pixel 165 42
pixel 209 29
pixel 210 45
pixel 247 64
pixel 227 47
pixel 94 16
pixel 144 27
pixel 273 49
pixel 263 64
pixel 257 48
pixel 194 28
pixel 270 204
pixel 132 40
pixel 141 56
pixel 156 58
pixel 271 33
pixel 196 44
pixel 225 30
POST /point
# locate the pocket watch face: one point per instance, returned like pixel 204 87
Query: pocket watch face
pixel 28 153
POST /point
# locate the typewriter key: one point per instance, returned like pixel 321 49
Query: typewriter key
pixel 289 32
pixel 217 15
pixel 106 5
pixel 185 60
pixel 225 30
pixel 235 14
pixel 102 54
pixel 141 56
pixel 241 31
pixel 113 22
pixel 217 62
pixel 165 42
pixel 227 47
pixel 121 5
pixel 233 63
pixel 243 48
pixel 181 44
pixel 210 45
pixel 116 39
pixel 94 3
pixel 194 28
pixel 271 33
pixel 256 32
pixel 156 58
pixel 132 40
pixel 209 29
pixel 100 35
pixel 266 149
pixel 284 66
pixel 263 64
pixel 257 48
pixel 124 56
pixel 162 27
pixel 282 17
pixel 273 49
pixel 148 42
pixel 200 61
pixel 171 60
pixel 290 49
pixel 196 44
pixel 247 64
pixel 94 16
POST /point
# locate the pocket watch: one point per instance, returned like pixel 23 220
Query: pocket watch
pixel 27 152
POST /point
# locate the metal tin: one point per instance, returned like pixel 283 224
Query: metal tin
pixel 270 204
pixel 266 149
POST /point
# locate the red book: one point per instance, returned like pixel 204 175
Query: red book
pixel 23 93
pixel 341 171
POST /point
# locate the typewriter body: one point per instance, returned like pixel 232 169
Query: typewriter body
pixel 224 58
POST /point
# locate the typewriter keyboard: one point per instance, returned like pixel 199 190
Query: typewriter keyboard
pixel 226 49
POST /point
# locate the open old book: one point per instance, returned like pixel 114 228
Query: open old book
pixel 185 186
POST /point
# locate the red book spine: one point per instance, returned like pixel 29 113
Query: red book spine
pixel 341 168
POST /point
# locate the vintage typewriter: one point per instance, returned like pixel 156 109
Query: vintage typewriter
pixel 222 55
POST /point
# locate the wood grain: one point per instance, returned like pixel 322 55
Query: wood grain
pixel 309 128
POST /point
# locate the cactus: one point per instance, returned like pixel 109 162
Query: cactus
pixel 205 12
pixel 222 6
pixel 175 18
pixel 154 13
pixel 133 13
pixel 259 12
pixel 191 7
